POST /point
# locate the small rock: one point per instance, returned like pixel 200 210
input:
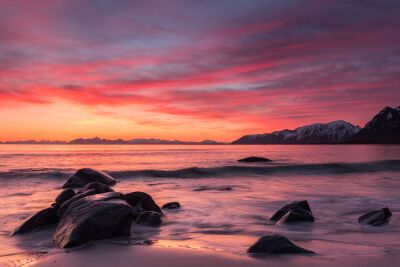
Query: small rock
pixel 291 206
pixel 85 176
pixel 296 215
pixel 149 218
pixel 276 244
pixel 376 217
pixel 171 205
pixel 143 200
pixel 209 188
pixel 42 218
pixel 254 159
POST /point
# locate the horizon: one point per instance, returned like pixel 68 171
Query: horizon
pixel 192 71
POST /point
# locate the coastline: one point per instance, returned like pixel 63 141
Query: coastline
pixel 100 255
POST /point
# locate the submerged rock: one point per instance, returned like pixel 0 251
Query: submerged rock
pixel 171 205
pixel 208 188
pixel 94 217
pixel 85 176
pixel 96 186
pixel 276 244
pixel 149 218
pixel 254 159
pixel 65 195
pixel 296 215
pixel 289 207
pixel 376 217
pixel 42 218
pixel 142 201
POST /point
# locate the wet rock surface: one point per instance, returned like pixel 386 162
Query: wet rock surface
pixel 42 218
pixel 293 206
pixel 85 176
pixel 275 245
pixel 376 217
pixel 143 201
pixel 171 205
pixel 149 218
pixel 254 159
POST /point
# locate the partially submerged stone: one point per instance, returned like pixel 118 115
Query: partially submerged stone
pixel 42 218
pixel 376 217
pixel 296 215
pixel 94 217
pixel 275 245
pixel 171 205
pixel 142 201
pixel 85 176
pixel 254 159
pixel 289 207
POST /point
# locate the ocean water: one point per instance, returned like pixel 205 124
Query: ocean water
pixel 341 182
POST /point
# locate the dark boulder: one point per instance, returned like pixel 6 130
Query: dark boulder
pixel 276 244
pixel 143 201
pixel 376 217
pixel 85 176
pixel 42 218
pixel 96 186
pixel 149 218
pixel 65 195
pixel 254 159
pixel 171 205
pixel 296 215
pixel 291 206
pixel 94 217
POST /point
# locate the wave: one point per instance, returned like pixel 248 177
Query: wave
pixel 221 171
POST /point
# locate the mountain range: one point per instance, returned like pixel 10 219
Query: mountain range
pixel 384 128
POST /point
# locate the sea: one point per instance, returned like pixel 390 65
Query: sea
pixel 225 204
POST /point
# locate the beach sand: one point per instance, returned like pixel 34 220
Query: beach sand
pixel 150 256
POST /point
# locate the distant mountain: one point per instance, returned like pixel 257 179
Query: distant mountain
pixel 137 141
pixel 384 128
pixel 319 133
pixel 34 142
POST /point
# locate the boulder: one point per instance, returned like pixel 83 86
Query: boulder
pixel 291 206
pixel 94 217
pixel 85 176
pixel 42 218
pixel 143 201
pixel 376 217
pixel 276 244
pixel 296 215
pixel 65 195
pixel 254 159
pixel 96 186
pixel 149 218
pixel 171 205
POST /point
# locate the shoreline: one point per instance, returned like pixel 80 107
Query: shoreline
pixel 100 254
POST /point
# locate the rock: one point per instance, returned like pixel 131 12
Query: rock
pixel 254 159
pixel 65 195
pixel 171 205
pixel 94 217
pixel 85 176
pixel 145 201
pixel 96 186
pixel 149 218
pixel 296 215
pixel 276 244
pixel 291 206
pixel 65 205
pixel 42 218
pixel 208 188
pixel 376 217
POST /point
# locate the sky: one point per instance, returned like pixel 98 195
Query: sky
pixel 193 70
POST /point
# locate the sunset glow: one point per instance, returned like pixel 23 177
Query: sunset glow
pixel 191 71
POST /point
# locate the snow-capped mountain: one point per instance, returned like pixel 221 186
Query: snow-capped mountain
pixel 384 128
pixel 318 133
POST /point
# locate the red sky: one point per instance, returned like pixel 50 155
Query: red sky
pixel 193 70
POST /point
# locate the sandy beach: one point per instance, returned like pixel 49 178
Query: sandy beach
pixel 123 256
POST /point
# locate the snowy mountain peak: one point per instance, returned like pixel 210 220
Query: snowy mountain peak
pixel 331 132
